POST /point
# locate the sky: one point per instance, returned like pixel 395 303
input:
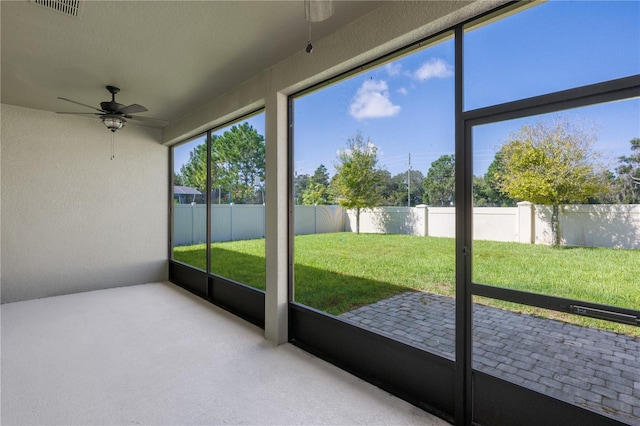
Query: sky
pixel 406 107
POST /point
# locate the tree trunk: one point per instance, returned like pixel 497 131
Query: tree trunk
pixel 357 220
pixel 555 225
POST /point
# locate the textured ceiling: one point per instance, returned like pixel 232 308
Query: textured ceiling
pixel 170 56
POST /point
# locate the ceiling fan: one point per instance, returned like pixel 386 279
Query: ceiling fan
pixel 113 114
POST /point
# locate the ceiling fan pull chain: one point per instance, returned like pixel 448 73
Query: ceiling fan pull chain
pixel 113 150
pixel 309 47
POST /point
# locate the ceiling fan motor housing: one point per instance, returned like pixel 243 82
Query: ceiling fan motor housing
pixel 112 106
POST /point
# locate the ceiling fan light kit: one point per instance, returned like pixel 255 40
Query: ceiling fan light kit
pixel 112 114
pixel 113 122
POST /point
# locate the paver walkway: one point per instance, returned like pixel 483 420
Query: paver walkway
pixel 593 368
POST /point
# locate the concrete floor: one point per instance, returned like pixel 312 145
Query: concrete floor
pixel 155 354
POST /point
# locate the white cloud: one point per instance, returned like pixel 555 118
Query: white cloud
pixel 403 91
pixel 372 101
pixel 393 68
pixel 434 68
pixel 368 148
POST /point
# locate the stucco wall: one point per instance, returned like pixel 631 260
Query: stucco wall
pixel 616 226
pixel 72 219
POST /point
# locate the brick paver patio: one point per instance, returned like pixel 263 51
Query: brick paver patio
pixel 592 368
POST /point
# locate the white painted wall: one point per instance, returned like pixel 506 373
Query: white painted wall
pixel 72 219
pixel 495 223
pixel 616 226
pixel 441 222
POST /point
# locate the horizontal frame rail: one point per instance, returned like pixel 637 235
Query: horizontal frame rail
pixel 560 304
pixel 608 91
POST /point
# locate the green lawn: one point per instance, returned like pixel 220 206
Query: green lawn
pixel 339 272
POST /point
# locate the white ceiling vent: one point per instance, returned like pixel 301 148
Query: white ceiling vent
pixel 68 7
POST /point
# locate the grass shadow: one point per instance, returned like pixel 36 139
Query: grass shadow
pixel 321 289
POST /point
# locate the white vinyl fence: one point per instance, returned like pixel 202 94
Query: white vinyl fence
pixel 490 223
pixel 587 225
pixel 580 225
pixel 231 222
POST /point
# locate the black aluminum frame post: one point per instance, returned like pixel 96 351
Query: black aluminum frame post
pixel 463 179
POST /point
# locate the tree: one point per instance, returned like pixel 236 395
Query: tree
pixel 628 172
pixel 439 185
pixel 612 195
pixel 481 192
pixel 487 193
pixel 316 194
pixel 396 191
pixel 320 176
pixel 194 172
pixel 178 180
pixel 300 184
pixel 386 188
pixel 317 190
pixel 417 188
pixel 551 164
pixel 357 178
pixel 238 163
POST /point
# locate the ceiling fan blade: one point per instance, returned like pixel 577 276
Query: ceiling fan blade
pixel 85 105
pixel 132 109
pixel 148 120
pixel 80 113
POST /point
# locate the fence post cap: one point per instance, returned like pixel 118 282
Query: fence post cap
pixel 524 203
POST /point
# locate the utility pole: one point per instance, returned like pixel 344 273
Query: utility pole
pixel 409 183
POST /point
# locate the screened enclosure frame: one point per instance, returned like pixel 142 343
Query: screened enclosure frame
pixel 609 91
pixel 243 300
pixel 309 327
pixel 451 389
